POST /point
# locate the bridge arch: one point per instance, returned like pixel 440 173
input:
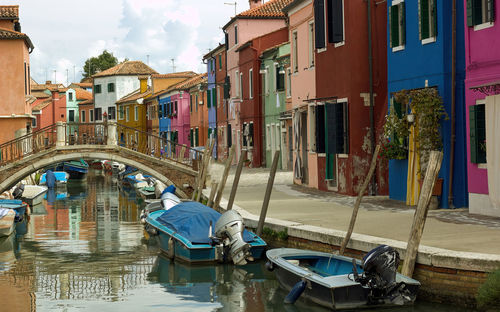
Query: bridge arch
pixel 165 170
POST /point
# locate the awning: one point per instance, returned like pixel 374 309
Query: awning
pixel 489 88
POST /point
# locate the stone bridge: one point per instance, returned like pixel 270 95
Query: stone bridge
pixel 166 161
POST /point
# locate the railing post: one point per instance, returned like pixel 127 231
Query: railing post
pixel 61 134
pixel 112 136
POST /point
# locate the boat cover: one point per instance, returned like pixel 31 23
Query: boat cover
pixel 3 212
pixel 192 221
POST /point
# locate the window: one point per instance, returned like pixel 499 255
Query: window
pixel 71 116
pixel 229 137
pixel 218 96
pixel 191 103
pixel 240 87
pixel 175 111
pixel 397 25
pixel 277 141
pixel 196 137
pixel 227 87
pixel 26 79
pixel 268 137
pixel 209 98
pixel 295 53
pixel 220 61
pixel 98 113
pixel 319 24
pixel 83 117
pixel 196 97
pixel 477 133
pixel 136 113
pixel 336 128
pixel 91 115
pixel 250 83
pixel 265 80
pixel 111 87
pixel 480 12
pixel 111 113
pixel 97 88
pixel 427 20
pixel 311 44
pixel 127 113
pixel 289 82
pixel 316 116
pixel 120 112
pixel 235 34
pixel 33 123
pixel 236 80
pixel 280 78
pixel 70 96
pixel 335 21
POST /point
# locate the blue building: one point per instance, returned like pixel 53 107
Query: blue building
pixel 213 95
pixel 164 121
pixel 419 55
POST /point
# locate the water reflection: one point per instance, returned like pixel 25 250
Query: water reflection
pixel 83 251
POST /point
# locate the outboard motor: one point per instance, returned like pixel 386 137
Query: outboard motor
pixel 380 267
pixel 229 229
pixel 168 198
pixel 18 191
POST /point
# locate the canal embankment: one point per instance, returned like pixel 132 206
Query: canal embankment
pixel 457 250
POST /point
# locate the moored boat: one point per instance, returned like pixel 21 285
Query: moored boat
pixel 339 282
pixel 185 232
pixel 33 194
pixel 61 178
pixel 147 192
pixel 77 169
pixel 7 217
pixel 17 205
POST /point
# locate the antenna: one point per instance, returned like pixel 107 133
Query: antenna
pixel 55 76
pixel 173 65
pixel 74 73
pixel 232 3
pixel 67 77
pixel 147 62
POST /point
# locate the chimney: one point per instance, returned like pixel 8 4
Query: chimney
pixel 48 82
pixel 54 98
pixel 17 26
pixel 255 3
pixel 143 83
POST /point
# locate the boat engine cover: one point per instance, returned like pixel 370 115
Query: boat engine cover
pixel 230 226
pixel 380 266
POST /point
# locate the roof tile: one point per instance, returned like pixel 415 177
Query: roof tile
pixel 270 9
pixel 9 12
pixel 127 68
pixel 83 94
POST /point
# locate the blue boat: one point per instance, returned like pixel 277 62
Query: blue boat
pixel 77 169
pixel 17 205
pixel 185 232
pixel 339 282
pixel 133 179
pixel 61 178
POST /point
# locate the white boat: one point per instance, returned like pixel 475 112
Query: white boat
pixel 6 221
pixel 117 167
pixel 33 194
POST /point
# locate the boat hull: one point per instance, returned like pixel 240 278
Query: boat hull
pixel 7 224
pixel 33 194
pixel 338 292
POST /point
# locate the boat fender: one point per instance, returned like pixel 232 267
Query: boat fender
pixel 269 266
pixel 171 248
pixel 296 291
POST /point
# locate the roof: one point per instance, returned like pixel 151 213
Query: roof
pixel 86 102
pixel 9 12
pixel 201 78
pixel 11 34
pixel 83 94
pixel 50 86
pixel 214 51
pixel 269 10
pixel 40 94
pixel 127 68
pixel 134 96
pixel 185 74
pixel 83 85
pixel 42 105
pixel 292 5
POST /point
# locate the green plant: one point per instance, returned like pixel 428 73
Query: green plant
pixel 488 296
pixel 281 235
pixel 393 150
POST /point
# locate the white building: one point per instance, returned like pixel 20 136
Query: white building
pixel 114 83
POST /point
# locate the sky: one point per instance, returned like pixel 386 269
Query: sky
pixel 67 32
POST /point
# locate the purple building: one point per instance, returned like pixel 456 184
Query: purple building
pixel 482 91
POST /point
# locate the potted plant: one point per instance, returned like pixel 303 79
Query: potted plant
pixel 396 131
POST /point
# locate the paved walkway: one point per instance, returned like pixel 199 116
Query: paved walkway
pixel 452 229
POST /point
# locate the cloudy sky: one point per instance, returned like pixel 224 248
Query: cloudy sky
pixel 67 32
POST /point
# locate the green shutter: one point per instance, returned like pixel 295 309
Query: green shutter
pixel 470 20
pixel 209 98
pixel 424 19
pixel 191 137
pixel 394 19
pixel 477 133
pixel 477 12
pixel 402 23
pixel 330 167
pixel 491 11
pixel 220 61
pixel 214 98
pixel 433 4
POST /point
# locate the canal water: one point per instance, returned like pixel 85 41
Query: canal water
pixel 83 250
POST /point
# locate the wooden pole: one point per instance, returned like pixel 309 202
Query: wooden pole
pixel 358 200
pixel 236 180
pixel 206 163
pixel 417 228
pixel 267 196
pixel 212 193
pixel 222 183
pixel 200 170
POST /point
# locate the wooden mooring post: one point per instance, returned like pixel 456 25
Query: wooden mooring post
pixel 206 163
pixel 361 193
pixel 222 183
pixel 213 189
pixel 200 171
pixel 267 196
pixel 236 180
pixel 417 228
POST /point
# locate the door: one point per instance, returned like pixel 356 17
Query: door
pixel 290 148
pixel 303 139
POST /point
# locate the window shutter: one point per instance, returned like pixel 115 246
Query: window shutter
pixel 214 98
pixel 433 31
pixel 227 86
pixel 402 23
pixel 477 133
pixel 226 36
pixel 209 98
pixel 424 19
pixel 191 137
pixel 320 135
pixel 491 11
pixel 319 24
pixel 331 128
pixel 251 134
pixel 338 21
pixel 394 26
pixel 229 136
pixel 470 21
pixel 341 135
pixel 420 23
pixel 477 12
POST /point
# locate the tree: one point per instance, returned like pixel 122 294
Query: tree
pixel 97 64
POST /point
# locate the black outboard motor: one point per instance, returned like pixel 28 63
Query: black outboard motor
pixel 380 266
pixel 18 191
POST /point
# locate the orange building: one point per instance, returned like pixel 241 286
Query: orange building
pixel 15 98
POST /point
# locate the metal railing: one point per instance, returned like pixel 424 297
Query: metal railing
pixel 61 134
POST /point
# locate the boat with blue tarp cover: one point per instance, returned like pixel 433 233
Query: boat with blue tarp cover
pixel 193 232
pixel 77 169
pixel 61 178
pixel 339 282
pixel 15 204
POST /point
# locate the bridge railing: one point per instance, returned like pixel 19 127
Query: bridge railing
pixel 28 144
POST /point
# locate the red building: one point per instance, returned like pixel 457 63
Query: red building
pixel 251 108
pixel 343 92
pixel 49 109
pixel 222 102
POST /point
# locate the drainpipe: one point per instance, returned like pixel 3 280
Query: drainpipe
pixel 453 98
pixel 370 68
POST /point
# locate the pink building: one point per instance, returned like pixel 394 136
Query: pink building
pixel 260 19
pixel 482 91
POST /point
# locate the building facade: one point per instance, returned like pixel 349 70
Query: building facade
pixel 199 113
pixel 482 99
